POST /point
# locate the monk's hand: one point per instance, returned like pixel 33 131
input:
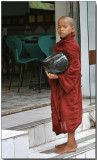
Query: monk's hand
pixel 51 76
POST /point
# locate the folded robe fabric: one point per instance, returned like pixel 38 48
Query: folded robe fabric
pixel 66 96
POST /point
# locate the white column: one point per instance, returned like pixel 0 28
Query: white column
pixel 91 27
pixel 84 49
pixel 61 9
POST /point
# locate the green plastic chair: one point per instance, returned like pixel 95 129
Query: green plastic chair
pixel 32 36
pixel 34 50
pixel 46 44
pixel 20 36
pixel 15 44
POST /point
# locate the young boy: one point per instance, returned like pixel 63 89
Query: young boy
pixel 66 97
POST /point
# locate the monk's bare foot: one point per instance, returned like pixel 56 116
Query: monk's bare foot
pixel 63 145
pixel 67 148
pixel 60 145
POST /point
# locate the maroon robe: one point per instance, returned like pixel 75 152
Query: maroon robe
pixel 66 96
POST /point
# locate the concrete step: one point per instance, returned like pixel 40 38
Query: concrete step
pixel 85 142
pixel 38 123
pixel 15 144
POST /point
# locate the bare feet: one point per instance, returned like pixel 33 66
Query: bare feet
pixel 63 145
pixel 67 148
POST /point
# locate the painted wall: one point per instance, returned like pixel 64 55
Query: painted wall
pixel 84 49
pixel 61 9
pixel 91 30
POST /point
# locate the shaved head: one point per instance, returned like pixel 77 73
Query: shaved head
pixel 65 26
pixel 68 19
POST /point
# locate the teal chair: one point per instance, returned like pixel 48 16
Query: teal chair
pixel 46 44
pixel 20 36
pixel 15 44
pixel 31 47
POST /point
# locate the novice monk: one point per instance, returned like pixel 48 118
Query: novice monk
pixel 66 97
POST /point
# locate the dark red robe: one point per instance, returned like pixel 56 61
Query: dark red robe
pixel 66 96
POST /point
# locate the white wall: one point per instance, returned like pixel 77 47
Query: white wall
pixel 84 49
pixel 61 9
pixel 87 27
pixel 91 28
pixel 91 24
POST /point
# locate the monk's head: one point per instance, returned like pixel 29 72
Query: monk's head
pixel 65 26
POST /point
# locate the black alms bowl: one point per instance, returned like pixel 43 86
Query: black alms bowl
pixel 56 63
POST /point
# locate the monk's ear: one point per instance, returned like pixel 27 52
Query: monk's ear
pixel 73 29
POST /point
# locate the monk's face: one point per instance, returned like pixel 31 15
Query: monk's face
pixel 65 28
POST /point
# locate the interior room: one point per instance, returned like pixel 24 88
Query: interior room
pixel 26 20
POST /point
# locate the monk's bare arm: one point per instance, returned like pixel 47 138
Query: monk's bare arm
pixel 51 76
